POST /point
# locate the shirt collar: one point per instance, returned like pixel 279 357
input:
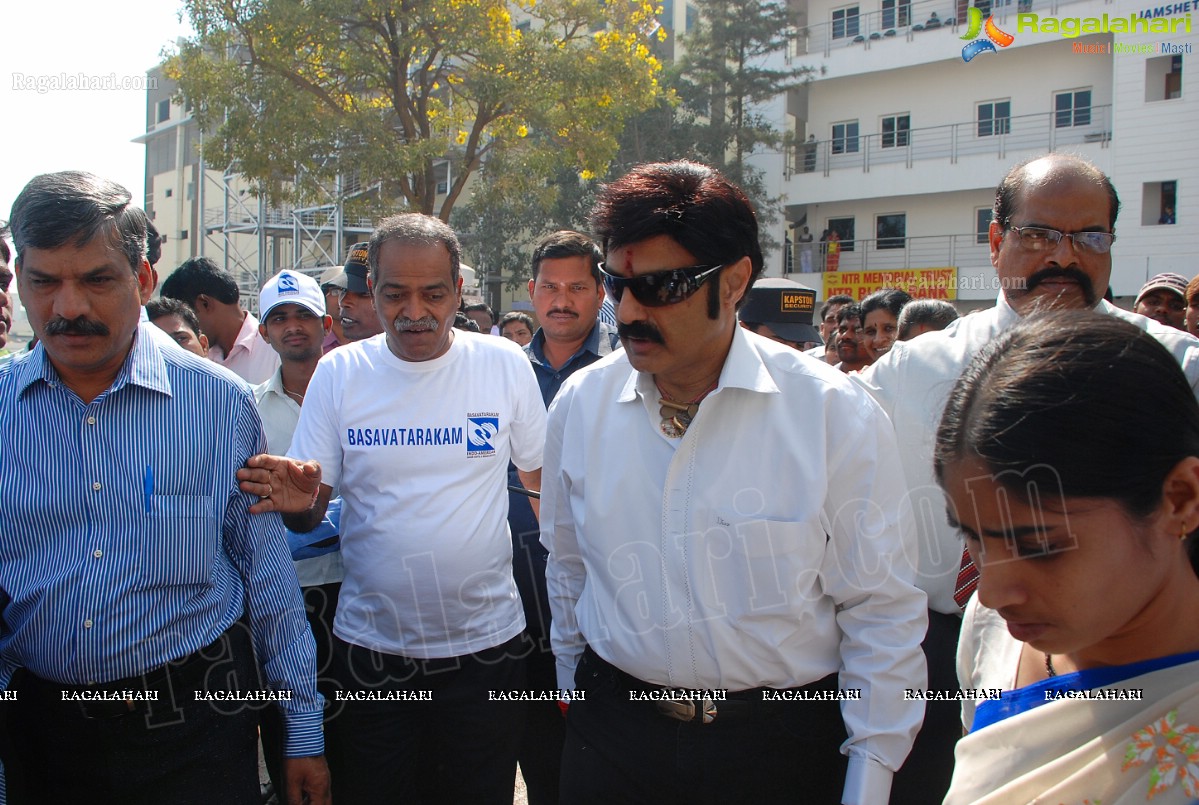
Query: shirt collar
pixel 143 366
pixel 743 369
pixel 1008 316
pixel 247 334
pixel 591 344
pixel 274 383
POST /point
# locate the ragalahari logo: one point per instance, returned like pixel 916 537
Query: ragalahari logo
pixel 995 36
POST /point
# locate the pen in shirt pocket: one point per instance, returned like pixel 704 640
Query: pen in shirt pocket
pixel 149 489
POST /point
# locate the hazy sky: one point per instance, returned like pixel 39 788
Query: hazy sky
pixel 86 130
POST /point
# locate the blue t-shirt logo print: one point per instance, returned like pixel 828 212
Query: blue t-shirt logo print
pixel 481 433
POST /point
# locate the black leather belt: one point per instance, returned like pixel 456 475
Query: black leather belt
pixel 695 707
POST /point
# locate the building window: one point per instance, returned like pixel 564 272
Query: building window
pixel 982 225
pixel 897 13
pixel 962 7
pixel 994 117
pixel 896 131
pixel 182 235
pixel 441 174
pixel 164 111
pixel 1163 78
pixel 844 229
pixel 1072 108
pixel 891 231
pixel 845 137
pixel 845 22
pixel 169 192
pixel 1159 203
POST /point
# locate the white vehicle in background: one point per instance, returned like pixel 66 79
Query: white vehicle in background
pixel 470 285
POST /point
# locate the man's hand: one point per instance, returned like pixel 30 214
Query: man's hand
pixel 285 485
pixel 307 780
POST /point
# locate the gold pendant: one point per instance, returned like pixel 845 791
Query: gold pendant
pixel 676 417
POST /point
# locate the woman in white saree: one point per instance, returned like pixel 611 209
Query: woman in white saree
pixel 1069 455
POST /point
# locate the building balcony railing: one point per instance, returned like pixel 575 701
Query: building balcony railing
pixel 215 218
pixel 897 254
pixel 904 22
pixel 997 137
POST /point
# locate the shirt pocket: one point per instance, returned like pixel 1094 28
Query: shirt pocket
pixel 781 558
pixel 179 541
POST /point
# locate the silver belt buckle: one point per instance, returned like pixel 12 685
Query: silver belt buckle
pixel 703 711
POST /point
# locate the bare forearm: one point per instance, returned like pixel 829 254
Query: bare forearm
pixel 532 482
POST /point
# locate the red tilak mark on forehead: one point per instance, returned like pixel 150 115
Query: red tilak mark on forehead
pixel 628 263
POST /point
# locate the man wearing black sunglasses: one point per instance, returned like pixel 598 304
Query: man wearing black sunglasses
pixel 1051 236
pixel 723 603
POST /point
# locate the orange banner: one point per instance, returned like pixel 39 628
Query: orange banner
pixel 921 283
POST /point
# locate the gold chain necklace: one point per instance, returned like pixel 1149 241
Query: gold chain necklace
pixel 677 416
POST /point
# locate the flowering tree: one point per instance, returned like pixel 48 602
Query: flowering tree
pixel 404 96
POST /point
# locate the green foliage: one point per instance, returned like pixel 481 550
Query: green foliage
pixel 725 75
pixel 709 113
pixel 399 95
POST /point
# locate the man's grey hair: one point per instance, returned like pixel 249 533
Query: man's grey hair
pixel 73 207
pixel 413 227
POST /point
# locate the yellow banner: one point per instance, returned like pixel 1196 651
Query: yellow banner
pixel 921 283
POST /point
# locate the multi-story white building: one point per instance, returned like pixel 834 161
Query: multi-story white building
pixel 910 139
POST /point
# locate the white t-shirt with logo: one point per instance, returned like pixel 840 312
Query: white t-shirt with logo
pixel 420 451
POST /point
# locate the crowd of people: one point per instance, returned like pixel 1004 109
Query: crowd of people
pixel 679 536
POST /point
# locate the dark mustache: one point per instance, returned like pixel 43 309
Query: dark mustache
pixel 640 329
pixel 1056 272
pixel 79 325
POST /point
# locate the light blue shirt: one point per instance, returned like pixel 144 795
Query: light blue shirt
pixel 125 542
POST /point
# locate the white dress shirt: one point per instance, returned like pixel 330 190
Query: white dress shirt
pixel 731 558
pixel 252 358
pixel 912 383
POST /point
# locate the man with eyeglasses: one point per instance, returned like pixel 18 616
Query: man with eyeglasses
pixel 1051 235
pixel 728 609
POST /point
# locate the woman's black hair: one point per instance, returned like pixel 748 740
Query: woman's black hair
pixel 1084 404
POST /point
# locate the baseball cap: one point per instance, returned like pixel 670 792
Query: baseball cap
pixel 783 305
pixel 1174 282
pixel 334 276
pixel 357 268
pixel 291 287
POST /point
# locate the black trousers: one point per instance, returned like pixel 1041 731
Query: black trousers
pixel 622 751
pixel 176 750
pixel 459 747
pixel 540 752
pixel 925 775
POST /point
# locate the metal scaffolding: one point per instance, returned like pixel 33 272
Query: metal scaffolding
pixel 256 241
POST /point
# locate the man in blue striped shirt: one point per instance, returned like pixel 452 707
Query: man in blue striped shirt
pixel 128 557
